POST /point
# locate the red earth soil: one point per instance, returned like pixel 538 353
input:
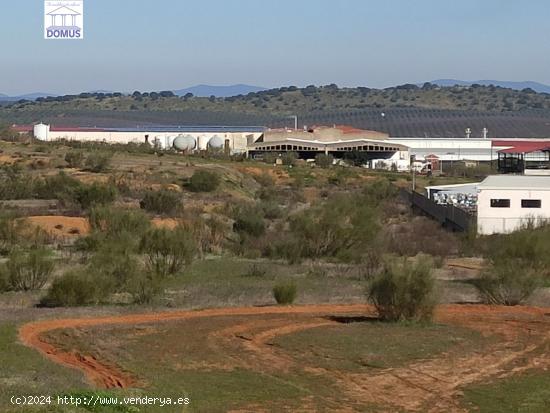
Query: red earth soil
pixel 432 385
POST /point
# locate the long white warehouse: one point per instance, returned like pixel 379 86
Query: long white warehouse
pixel 234 139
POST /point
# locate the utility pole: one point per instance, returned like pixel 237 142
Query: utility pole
pixel 413 170
pixel 295 117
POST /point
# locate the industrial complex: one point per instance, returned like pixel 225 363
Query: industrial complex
pixel 500 203
pixel 527 155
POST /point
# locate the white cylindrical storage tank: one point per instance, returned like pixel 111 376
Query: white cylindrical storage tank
pixel 184 143
pixel 41 131
pixel 215 142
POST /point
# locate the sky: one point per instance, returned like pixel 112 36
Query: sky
pixel 171 44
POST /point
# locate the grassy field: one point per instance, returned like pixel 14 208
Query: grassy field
pixel 527 393
pixel 206 362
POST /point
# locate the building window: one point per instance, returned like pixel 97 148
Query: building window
pixel 531 203
pixel 500 203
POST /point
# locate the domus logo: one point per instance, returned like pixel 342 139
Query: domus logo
pixel 64 19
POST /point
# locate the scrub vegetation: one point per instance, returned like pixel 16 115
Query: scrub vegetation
pixel 136 229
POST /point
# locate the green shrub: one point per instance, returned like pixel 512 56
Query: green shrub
pixel 28 270
pixel 324 161
pixel 271 210
pixel 75 159
pixel 289 158
pixel 145 287
pixel 161 202
pixel 167 251
pixel 343 227
pixel 95 194
pixel 11 231
pixel 249 221
pixel 60 186
pixel 265 180
pixel 508 282
pixel 4 285
pixel 270 158
pixel 114 222
pixel 204 181
pixel 72 289
pixel 404 291
pixel 285 293
pixel 15 183
pixel 114 265
pixel 98 161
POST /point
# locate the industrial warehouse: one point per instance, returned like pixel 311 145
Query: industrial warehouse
pixel 378 149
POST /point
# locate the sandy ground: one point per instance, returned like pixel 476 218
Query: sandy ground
pixel 432 385
pixel 61 226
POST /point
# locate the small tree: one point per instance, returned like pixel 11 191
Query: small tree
pixel 72 289
pixel 508 282
pixel 96 194
pixel 204 181
pixel 11 232
pixel 114 222
pixel 75 159
pixel 29 270
pixel 289 158
pixel 249 221
pixel 145 287
pixel 167 251
pixel 161 202
pixel 404 291
pixel 324 161
pixel 98 161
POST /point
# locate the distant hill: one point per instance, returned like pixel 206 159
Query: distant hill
pixel 537 87
pixel 403 110
pixel 219 91
pixel 28 96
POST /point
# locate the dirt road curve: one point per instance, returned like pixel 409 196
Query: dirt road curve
pixel 429 385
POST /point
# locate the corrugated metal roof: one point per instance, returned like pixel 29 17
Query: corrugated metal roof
pixel 515 182
pixel 166 129
pixel 184 128
pixel 527 147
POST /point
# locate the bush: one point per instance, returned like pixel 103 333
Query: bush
pixel 403 291
pixel 343 227
pixel 114 265
pixel 11 232
pixel 145 287
pixel 60 186
pixel 98 161
pixel 285 293
pixel 161 202
pixel 115 222
pixel 70 290
pixel 75 159
pixel 508 282
pixel 289 158
pixel 324 161
pixel 95 194
pixel 271 210
pixel 249 221
pixel 30 270
pixel 167 251
pixel 204 181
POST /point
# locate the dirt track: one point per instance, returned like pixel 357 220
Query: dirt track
pixel 432 385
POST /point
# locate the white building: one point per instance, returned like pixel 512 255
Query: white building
pixel 234 138
pixel 507 202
